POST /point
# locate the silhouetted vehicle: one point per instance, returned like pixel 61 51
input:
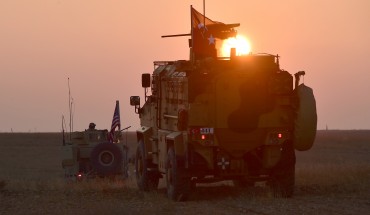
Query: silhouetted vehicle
pixel 210 119
pixel 89 154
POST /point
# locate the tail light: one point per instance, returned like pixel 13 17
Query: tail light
pixel 277 137
pixel 203 136
pixel 79 176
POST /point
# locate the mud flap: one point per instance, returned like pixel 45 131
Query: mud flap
pixel 306 119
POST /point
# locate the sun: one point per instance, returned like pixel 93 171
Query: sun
pixel 239 42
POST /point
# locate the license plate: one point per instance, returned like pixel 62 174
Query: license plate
pixel 206 130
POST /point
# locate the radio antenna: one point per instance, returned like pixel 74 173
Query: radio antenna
pixel 204 13
pixel 70 107
pixel 63 125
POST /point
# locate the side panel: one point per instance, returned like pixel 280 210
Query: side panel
pixel 148 113
pixel 78 138
pixel 146 135
pixel 162 149
pixel 69 155
pixel 173 97
pixel 165 139
pixel 177 138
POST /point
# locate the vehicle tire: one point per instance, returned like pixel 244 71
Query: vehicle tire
pixel 283 175
pixel 147 177
pixel 178 186
pixel 106 158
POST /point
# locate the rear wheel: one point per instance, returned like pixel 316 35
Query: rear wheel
pixel 147 176
pixel 283 175
pixel 178 185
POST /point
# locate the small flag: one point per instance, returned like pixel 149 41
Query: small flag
pixel 206 32
pixel 116 122
pixel 203 39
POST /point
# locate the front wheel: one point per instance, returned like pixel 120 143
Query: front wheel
pixel 147 177
pixel 178 186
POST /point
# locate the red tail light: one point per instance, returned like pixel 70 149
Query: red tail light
pixel 203 136
pixel 277 137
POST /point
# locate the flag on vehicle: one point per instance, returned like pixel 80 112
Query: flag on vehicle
pixel 206 32
pixel 116 122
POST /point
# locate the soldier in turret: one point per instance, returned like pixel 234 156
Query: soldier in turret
pixel 92 127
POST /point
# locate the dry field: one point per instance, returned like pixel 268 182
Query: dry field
pixel 332 178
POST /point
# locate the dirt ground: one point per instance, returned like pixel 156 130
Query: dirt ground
pixel 331 178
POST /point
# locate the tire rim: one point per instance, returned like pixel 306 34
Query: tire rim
pixel 106 158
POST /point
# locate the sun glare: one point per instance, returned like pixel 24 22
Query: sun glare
pixel 239 42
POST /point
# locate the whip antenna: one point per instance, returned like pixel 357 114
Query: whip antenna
pixel 204 12
pixel 70 107
pixel 63 123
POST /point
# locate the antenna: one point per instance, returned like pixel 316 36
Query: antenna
pixel 70 107
pixel 73 112
pixel 204 12
pixel 63 125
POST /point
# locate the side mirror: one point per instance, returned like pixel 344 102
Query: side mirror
pixel 145 80
pixel 135 100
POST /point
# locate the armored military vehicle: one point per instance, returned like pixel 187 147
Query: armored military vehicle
pixel 210 119
pixel 90 153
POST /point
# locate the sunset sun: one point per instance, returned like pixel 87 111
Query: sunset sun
pixel 239 42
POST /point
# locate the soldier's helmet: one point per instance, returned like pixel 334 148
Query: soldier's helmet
pixel 92 125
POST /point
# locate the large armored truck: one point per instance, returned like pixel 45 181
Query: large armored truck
pixel 212 119
pixel 88 154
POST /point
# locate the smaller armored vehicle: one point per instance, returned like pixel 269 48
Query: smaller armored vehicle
pixel 89 153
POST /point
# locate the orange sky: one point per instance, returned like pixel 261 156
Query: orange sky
pixel 105 46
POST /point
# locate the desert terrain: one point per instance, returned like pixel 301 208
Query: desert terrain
pixel 331 178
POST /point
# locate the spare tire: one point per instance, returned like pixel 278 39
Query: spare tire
pixel 106 158
pixel 306 119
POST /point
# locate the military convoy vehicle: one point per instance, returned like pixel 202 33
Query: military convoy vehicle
pixel 210 119
pixel 89 153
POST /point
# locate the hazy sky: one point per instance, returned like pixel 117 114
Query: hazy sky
pixel 105 46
